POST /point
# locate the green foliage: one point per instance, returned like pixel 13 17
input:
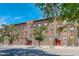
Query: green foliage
pixel 9 31
pixel 65 10
pixel 39 37
pixel 70 10
pixel 46 9
pixel 49 9
pixel 1 38
pixel 71 40
pixel 39 29
pixel 38 33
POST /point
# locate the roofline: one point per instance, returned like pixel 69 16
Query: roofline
pixel 21 23
pixel 34 20
pixel 41 19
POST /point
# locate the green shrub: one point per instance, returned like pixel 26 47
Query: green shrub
pixel 71 40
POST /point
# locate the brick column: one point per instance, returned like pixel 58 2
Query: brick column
pixel 50 34
pixel 29 30
pixel 61 33
pixel 75 34
pixel 61 37
pixel 54 28
pixel 68 33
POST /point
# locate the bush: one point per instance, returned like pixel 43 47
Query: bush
pixel 71 40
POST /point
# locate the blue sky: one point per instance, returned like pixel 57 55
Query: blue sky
pixel 12 13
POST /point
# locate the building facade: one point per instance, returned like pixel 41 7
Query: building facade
pixel 67 37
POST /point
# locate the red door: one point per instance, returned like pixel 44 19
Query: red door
pixel 58 42
pixel 29 42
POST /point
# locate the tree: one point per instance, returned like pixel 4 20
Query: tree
pixel 71 13
pixel 68 12
pixel 52 10
pixel 1 36
pixel 38 33
pixel 9 31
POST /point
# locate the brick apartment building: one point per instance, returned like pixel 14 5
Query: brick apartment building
pixel 26 28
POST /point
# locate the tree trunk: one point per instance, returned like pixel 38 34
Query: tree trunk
pixel 68 32
pixel 61 37
pixel 75 34
pixel 54 29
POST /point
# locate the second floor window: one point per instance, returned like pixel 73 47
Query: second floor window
pixel 34 25
pixel 39 24
pixel 45 24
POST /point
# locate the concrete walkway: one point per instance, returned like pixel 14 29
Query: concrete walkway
pixel 63 51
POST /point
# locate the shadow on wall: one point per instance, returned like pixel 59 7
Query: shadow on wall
pixel 25 52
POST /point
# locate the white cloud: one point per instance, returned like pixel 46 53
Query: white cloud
pixel 5 19
pixel 2 20
pixel 16 18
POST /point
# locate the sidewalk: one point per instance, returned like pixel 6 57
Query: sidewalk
pixel 45 47
pixel 25 46
pixel 63 51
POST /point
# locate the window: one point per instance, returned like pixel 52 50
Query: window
pixel 18 28
pixel 21 28
pixel 71 29
pixel 45 24
pixel 25 28
pixel 34 25
pixel 39 24
pixel 64 37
